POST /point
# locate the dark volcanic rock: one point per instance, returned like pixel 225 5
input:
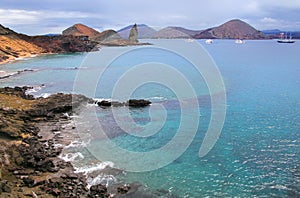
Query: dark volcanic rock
pixel 61 43
pixel 104 103
pixel 17 91
pixel 98 191
pixel 31 165
pixel 138 103
pixel 131 103
pixel 56 104
pixel 28 181
pixel 37 155
pixel 4 187
pixel 123 189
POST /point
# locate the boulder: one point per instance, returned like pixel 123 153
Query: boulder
pixel 138 103
pixel 104 103
pixel 123 189
pixel 132 103
pixel 98 191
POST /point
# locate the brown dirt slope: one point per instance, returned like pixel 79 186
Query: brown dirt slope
pixel 13 47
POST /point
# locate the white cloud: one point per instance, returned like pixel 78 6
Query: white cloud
pixel 32 17
pixel 43 21
pixel 269 20
pixel 12 17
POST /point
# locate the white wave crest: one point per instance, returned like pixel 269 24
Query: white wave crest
pixel 70 157
pixel 92 168
pixel 157 98
pixel 101 179
pixel 77 143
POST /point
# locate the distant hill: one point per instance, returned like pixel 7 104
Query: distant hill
pixel 80 30
pixel 187 31
pixel 234 29
pixel 170 33
pixel 296 35
pixel 51 35
pixel 275 34
pixel 275 31
pixel 107 35
pixel 144 31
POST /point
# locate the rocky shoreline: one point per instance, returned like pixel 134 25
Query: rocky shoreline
pixel 30 145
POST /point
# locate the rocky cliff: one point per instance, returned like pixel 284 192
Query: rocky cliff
pixel 61 44
pixel 14 45
pixel 234 29
pixel 11 46
pixel 6 31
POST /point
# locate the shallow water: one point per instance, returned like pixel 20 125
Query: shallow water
pixel 257 153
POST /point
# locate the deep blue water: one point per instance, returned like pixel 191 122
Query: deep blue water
pixel 257 154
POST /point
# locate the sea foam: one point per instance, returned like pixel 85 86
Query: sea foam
pixel 70 157
pixel 91 168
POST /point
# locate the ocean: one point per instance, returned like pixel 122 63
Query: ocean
pixel 256 153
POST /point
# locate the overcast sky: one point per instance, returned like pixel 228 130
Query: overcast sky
pixel 45 16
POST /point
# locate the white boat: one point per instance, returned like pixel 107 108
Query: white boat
pixel 284 39
pixel 209 41
pixel 239 41
pixel 189 40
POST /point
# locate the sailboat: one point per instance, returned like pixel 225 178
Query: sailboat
pixel 285 40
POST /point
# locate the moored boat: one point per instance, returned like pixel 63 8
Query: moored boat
pixel 285 39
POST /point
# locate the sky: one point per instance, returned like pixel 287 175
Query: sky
pixel 53 16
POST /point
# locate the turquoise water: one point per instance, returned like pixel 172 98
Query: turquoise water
pixel 257 154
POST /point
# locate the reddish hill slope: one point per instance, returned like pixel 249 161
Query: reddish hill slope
pixel 81 30
pixel 234 29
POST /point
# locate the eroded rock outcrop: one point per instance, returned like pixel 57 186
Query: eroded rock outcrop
pixel 133 35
